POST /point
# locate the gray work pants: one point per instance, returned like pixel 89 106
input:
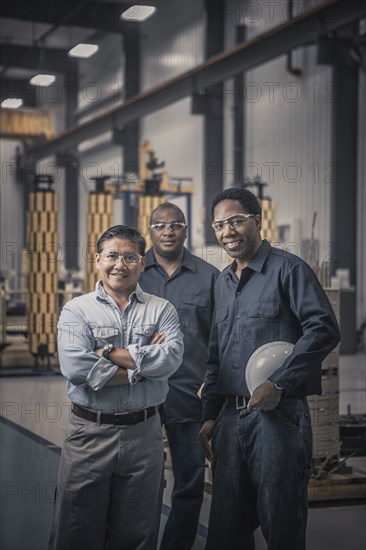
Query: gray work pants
pixel 108 486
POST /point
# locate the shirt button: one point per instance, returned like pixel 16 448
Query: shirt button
pixel 237 293
pixel 236 341
pixel 235 367
pixel 124 327
pixel 237 317
pixel 260 312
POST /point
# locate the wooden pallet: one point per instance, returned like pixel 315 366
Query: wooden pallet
pixel 348 484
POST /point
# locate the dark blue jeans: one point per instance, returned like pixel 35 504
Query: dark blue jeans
pixel 189 469
pixel 261 469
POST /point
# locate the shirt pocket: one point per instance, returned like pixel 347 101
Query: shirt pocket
pixel 262 310
pixel 141 334
pixel 192 309
pixel 221 321
pixel 105 335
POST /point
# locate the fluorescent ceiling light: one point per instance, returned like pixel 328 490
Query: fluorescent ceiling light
pixel 138 13
pixel 83 50
pixel 43 80
pixel 12 103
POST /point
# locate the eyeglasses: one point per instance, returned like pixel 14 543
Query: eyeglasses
pixel 173 226
pixel 233 221
pixel 128 258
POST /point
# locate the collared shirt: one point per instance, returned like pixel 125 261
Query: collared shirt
pixel 278 297
pixel 93 320
pixel 191 290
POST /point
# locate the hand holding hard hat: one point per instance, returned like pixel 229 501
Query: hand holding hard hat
pixel 262 363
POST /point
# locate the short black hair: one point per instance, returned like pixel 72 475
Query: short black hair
pixel 122 232
pixel 168 206
pixel 247 200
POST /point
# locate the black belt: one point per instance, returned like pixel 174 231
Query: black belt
pixel 236 402
pixel 117 419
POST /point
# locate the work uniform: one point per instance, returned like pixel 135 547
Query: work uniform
pixel 262 459
pixel 112 458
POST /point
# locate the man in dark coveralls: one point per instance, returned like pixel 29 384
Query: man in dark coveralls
pixel 260 445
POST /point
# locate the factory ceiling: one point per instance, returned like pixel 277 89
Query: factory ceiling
pixel 79 14
pixel 39 33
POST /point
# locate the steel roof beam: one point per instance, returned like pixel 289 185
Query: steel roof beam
pixel 302 30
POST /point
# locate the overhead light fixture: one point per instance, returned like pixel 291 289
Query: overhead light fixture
pixel 12 103
pixel 43 80
pixel 83 50
pixel 138 13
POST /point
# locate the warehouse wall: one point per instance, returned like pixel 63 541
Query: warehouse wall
pixel 287 127
pixel 288 137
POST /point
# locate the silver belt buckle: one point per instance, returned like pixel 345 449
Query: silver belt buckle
pixel 237 406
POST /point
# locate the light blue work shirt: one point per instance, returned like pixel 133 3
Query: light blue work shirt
pixel 93 320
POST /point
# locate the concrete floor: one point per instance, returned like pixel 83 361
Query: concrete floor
pixel 34 411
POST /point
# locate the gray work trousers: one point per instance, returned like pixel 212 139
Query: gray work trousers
pixel 108 486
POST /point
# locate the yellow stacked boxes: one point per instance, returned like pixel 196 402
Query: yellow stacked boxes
pixel 42 254
pixel 100 218
pixel 26 124
pixel 324 408
pixel 268 230
pixel 146 205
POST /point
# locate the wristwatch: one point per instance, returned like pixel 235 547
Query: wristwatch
pixel 108 348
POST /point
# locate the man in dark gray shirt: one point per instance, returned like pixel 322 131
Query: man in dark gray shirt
pixel 171 272
pixel 261 444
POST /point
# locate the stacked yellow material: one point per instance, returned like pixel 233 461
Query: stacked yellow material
pixel 20 124
pixel 42 252
pixel 268 230
pixel 146 205
pixel 100 218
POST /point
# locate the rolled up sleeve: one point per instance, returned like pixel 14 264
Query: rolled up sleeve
pixel 78 361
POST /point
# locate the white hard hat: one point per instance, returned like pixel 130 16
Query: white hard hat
pixel 264 361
